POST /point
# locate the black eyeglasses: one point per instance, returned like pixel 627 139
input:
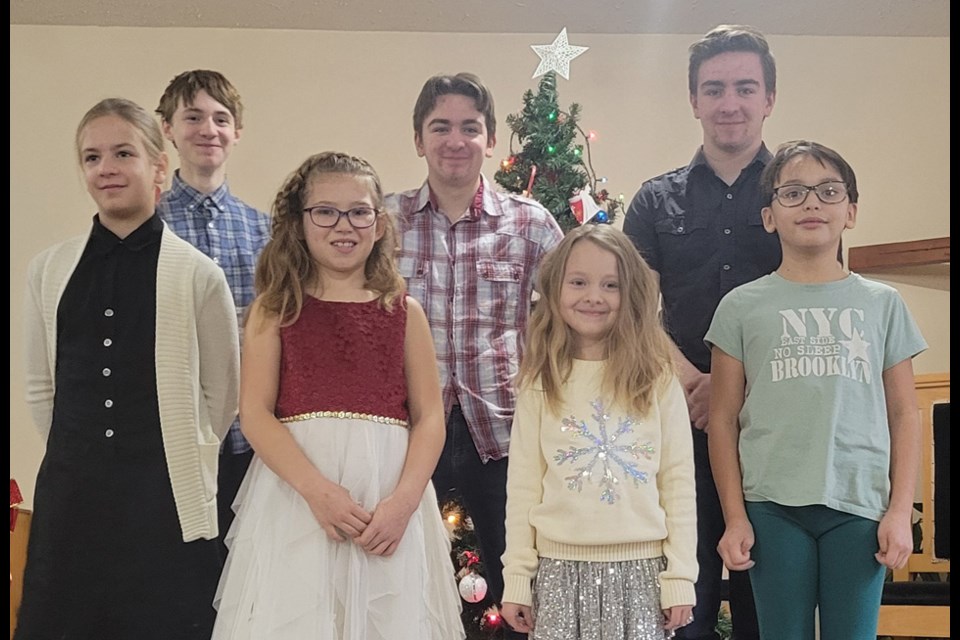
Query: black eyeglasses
pixel 794 195
pixel 358 217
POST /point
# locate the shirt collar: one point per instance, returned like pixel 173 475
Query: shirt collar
pixel 183 192
pixel 699 162
pixel 480 204
pixel 102 240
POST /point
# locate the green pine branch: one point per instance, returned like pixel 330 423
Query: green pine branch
pixel 552 141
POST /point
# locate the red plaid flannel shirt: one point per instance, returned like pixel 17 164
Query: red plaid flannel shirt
pixel 474 278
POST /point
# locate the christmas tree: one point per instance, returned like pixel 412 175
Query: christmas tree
pixel 553 164
pixel 480 615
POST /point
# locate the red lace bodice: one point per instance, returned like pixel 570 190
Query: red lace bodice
pixel 344 356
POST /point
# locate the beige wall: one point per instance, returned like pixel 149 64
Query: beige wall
pixel 882 102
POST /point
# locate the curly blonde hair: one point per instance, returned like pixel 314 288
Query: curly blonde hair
pixel 637 349
pixel 286 269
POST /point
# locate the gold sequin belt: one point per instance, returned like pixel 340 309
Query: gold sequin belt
pixel 344 415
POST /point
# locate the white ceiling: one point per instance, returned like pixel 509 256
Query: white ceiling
pixel 784 17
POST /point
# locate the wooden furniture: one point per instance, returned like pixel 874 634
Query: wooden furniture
pixel 913 607
pixel 914 621
pixel 932 389
pixel 878 257
pixel 18 559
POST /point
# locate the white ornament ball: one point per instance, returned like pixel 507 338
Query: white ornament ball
pixel 473 587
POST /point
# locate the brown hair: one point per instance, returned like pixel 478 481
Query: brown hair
pixel 185 87
pixel 462 84
pixel 822 154
pixel 727 38
pixel 286 268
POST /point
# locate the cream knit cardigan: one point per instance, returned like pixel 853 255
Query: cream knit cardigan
pixel 197 363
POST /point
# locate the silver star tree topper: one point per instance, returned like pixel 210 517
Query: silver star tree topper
pixel 556 56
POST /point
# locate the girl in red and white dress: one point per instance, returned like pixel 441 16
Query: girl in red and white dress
pixel 337 534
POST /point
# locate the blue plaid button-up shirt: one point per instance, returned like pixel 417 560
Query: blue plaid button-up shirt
pixel 232 234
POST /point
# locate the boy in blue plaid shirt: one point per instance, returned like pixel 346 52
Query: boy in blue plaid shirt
pixel 201 114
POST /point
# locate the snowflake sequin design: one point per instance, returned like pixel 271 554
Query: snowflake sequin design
pixel 605 453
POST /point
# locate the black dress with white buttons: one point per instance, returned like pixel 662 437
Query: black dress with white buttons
pixel 106 557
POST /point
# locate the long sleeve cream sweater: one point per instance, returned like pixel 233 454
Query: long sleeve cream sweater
pixel 596 484
pixel 197 364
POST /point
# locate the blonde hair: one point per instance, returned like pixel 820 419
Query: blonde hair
pixel 637 349
pixel 138 118
pixel 285 267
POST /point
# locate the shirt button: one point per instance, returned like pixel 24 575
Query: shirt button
pixel 726 231
pixel 108 433
pixel 216 260
pixel 726 267
pixel 210 224
pixel 107 342
pixel 108 313
pixel 679 229
pixel 729 196
pixel 108 403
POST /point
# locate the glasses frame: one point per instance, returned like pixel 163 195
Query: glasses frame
pixel 340 214
pixel 814 189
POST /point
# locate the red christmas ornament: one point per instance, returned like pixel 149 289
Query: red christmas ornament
pixel 16 499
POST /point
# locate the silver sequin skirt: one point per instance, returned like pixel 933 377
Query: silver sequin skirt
pixel 575 600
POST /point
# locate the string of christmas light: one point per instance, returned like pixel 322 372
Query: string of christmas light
pixel 603 194
pixel 551 166
pixel 480 615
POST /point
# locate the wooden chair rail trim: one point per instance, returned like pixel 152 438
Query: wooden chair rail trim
pixel 899 254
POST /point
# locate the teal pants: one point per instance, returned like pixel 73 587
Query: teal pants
pixel 809 557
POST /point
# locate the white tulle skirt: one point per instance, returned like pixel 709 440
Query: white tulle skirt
pixel 285 579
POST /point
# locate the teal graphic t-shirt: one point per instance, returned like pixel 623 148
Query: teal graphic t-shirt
pixel 813 428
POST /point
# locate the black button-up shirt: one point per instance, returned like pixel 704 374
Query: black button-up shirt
pixel 106 377
pixel 704 238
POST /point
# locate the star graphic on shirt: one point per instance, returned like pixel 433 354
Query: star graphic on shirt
pixel 856 347
pixel 603 450
pixel 556 56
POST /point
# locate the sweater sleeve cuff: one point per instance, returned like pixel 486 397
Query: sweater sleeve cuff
pixel 675 593
pixel 518 590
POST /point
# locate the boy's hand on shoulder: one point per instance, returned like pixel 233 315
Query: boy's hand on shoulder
pixel 518 616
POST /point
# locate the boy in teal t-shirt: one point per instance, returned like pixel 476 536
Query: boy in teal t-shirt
pixel 814 427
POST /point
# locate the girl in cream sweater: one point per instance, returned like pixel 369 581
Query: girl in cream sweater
pixel 601 514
